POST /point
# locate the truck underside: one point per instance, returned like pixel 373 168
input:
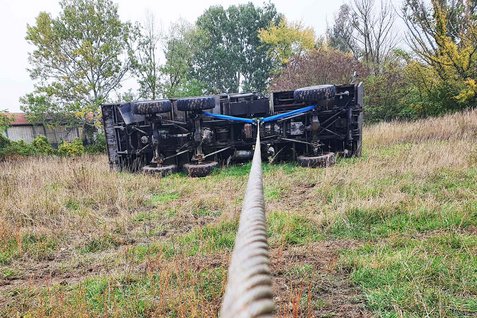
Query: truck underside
pixel 309 125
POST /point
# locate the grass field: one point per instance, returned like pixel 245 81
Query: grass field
pixel 390 234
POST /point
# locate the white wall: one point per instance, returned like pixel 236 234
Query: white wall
pixel 54 136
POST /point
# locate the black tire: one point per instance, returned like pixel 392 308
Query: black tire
pixel 325 160
pixel 160 170
pixel 152 107
pixel 314 93
pixel 199 170
pixel 196 103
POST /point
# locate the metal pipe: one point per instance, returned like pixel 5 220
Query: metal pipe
pixel 249 286
pixel 176 154
pixel 216 152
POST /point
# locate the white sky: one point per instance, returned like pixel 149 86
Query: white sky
pixel 16 14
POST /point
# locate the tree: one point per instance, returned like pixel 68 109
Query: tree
pixel 79 58
pixel 374 31
pixel 145 62
pixel 41 109
pixel 287 40
pixel 180 49
pixel 5 120
pixel 322 66
pixel 229 54
pixel 366 30
pixel 340 35
pixel 444 38
pixel 391 94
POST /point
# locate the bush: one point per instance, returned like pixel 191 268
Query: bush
pixel 16 148
pixel 73 148
pixel 407 89
pixel 98 146
pixel 4 141
pixel 322 66
pixel 42 146
pixel 387 95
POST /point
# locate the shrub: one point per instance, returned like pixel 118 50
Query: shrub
pixel 388 95
pixel 73 148
pixel 4 141
pixel 42 146
pixel 98 146
pixel 16 148
pixel 322 66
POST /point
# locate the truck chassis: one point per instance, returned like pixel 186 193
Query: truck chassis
pixel 310 125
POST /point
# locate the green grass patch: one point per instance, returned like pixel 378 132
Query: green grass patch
pixel 362 223
pixel 128 295
pixel 9 273
pixel 8 250
pixel 99 244
pixel 445 184
pixel 154 215
pixel 236 170
pixel 302 271
pixel 430 277
pixel 163 198
pixel 136 295
pixel 36 246
pixel 292 229
pixel 201 212
pixel 72 204
pixel 272 193
pixel 287 168
pixel 241 170
pixel 205 240
pixel 209 283
pixel 39 247
pixel 141 251
pixel 449 184
pixel 146 216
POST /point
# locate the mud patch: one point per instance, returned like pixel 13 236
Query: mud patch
pixel 307 282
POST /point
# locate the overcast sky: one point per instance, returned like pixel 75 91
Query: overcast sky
pixel 16 14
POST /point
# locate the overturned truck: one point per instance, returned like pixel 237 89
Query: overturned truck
pixel 310 125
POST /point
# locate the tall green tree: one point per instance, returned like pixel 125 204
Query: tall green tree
pixel 230 55
pixel 145 60
pixel 181 45
pixel 78 59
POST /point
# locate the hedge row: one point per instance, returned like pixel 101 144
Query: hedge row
pixel 41 147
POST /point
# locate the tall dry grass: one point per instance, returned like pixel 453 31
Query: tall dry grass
pixel 457 126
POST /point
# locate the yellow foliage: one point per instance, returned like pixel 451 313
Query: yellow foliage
pixel 287 39
pixel 455 58
pixel 469 92
pixel 453 62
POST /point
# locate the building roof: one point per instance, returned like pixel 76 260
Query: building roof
pixel 19 119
